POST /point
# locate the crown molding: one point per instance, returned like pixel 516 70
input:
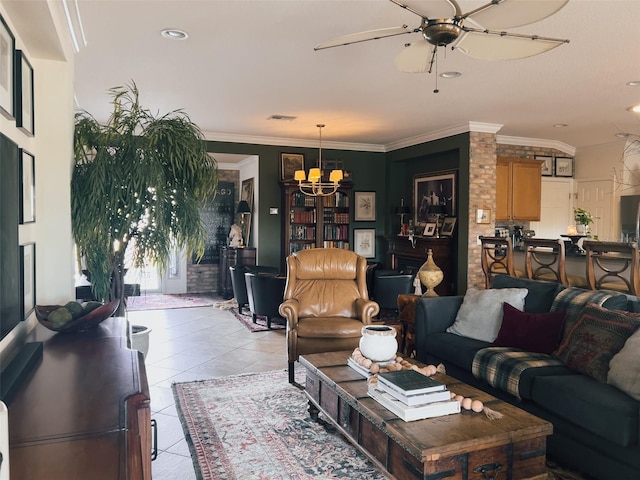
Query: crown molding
pixel 445 132
pixel 537 142
pixel 292 142
pixel 407 142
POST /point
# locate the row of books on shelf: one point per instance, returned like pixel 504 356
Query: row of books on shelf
pixel 410 395
pixel 299 199
pixel 333 217
pixel 336 244
pixel 336 232
pixel 302 232
pixel 302 216
pixel 338 199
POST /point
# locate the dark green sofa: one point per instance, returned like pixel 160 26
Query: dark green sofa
pixel 596 426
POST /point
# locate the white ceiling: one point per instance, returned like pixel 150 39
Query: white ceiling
pixel 246 60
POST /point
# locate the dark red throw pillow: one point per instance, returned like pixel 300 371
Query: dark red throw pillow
pixel 533 332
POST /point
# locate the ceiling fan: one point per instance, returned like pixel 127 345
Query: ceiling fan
pixel 444 24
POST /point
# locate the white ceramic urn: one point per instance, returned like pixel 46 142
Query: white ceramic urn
pixel 378 343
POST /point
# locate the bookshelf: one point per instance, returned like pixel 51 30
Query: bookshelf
pixel 313 222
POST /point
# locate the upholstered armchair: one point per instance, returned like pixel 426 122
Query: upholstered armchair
pixel 326 302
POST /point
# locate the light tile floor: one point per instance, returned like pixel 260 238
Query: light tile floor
pixel 194 344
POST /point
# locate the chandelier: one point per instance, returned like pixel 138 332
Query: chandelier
pixel 312 184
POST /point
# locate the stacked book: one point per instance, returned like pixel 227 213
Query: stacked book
pixel 411 395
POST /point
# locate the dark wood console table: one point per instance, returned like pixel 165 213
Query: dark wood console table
pixel 83 412
pixel 404 255
pixel 230 256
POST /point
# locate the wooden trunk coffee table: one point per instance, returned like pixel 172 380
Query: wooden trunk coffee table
pixel 462 446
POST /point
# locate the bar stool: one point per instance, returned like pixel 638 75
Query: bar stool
pixel 613 266
pixel 496 258
pixel 545 259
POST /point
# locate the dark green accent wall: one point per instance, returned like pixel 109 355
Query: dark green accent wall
pixel 389 174
pixel 367 170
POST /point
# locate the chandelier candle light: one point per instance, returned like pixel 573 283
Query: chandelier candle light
pixel 312 185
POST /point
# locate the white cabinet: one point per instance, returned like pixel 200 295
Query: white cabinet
pixel 556 207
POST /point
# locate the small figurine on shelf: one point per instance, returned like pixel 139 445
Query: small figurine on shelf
pixel 235 236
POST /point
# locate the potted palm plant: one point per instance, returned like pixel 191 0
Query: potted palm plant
pixel 137 187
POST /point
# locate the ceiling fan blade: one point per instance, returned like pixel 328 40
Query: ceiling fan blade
pixel 416 57
pixel 504 46
pixel 514 13
pixel 431 8
pixel 364 37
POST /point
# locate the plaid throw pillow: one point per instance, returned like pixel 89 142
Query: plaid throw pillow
pixel 596 337
pixel 573 300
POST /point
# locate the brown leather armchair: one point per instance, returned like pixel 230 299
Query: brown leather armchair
pixel 326 302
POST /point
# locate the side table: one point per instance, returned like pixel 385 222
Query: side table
pixel 407 312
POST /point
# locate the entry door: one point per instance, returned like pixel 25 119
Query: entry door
pixel 596 197
pixel 556 208
pixel 174 280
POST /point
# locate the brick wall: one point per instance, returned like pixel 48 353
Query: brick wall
pixel 203 278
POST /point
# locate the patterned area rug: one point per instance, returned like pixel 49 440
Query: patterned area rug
pixel 257 426
pixel 261 322
pixel 162 302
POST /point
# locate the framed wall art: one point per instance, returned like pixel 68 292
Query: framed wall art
pixel 547 164
pixel 28 278
pixel 289 163
pixel 429 230
pixel 24 108
pixel 564 167
pixel 364 242
pixel 433 192
pixel 28 183
pixel 365 207
pixel 483 215
pixel 246 194
pixel 448 225
pixel 7 66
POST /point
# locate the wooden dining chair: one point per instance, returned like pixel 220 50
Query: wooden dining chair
pixel 496 258
pixel 613 266
pixel 545 259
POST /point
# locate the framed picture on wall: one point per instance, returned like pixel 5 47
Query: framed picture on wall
pixel 433 194
pixel 24 109
pixel 547 164
pixel 28 278
pixel 289 163
pixel 365 207
pixel 364 242
pixel 28 181
pixel 564 167
pixel 7 65
pixel 246 194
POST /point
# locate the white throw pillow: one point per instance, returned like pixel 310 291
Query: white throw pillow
pixel 624 367
pixel 480 315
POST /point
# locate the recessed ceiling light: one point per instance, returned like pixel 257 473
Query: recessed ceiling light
pixel 560 125
pixel 634 108
pixel 450 74
pixel 622 135
pixel 634 83
pixel 174 34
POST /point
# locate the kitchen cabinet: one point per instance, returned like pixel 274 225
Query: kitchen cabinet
pixel 518 189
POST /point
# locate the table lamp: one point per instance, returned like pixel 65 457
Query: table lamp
pixel 403 210
pixel 243 209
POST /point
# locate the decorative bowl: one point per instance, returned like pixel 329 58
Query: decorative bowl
pixel 85 322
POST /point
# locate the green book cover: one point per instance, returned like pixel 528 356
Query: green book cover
pixel 411 382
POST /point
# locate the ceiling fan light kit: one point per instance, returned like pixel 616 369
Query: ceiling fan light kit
pixel 443 24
